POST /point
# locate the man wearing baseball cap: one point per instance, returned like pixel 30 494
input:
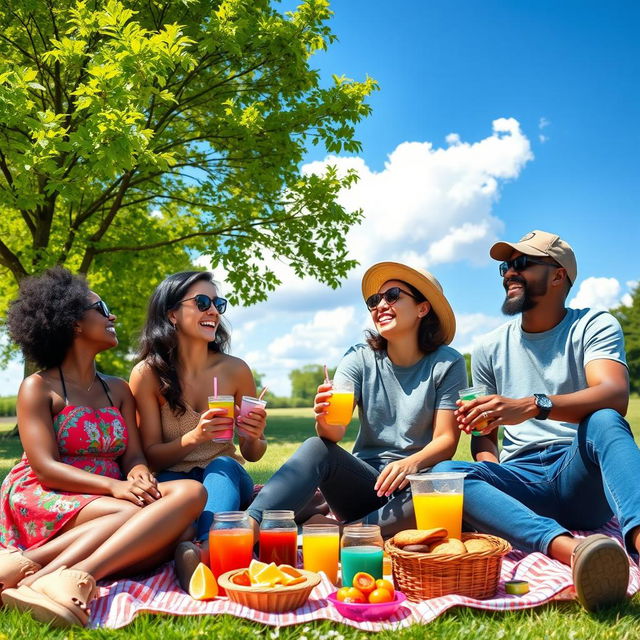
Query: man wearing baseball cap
pixel 557 381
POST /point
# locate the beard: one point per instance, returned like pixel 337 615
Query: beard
pixel 525 301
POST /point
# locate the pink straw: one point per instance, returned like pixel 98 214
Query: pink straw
pixel 262 393
pixel 215 386
pixel 326 374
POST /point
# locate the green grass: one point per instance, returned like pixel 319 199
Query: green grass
pixel 286 429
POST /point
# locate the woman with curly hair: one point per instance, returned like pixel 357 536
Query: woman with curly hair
pixel 183 348
pixel 81 504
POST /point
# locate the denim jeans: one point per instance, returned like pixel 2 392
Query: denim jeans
pixel 532 498
pixel 229 488
pixel 346 483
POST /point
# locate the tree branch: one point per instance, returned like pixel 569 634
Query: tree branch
pixel 11 261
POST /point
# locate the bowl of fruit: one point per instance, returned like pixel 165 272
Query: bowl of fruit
pixel 367 599
pixel 270 588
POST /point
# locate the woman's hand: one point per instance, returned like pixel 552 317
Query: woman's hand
pixel 142 473
pixel 321 402
pixel 394 476
pixel 212 422
pixel 253 424
pixel 140 492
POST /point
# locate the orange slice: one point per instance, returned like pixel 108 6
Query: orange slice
pixel 269 576
pixel 241 578
pixel 203 585
pixel 291 575
pixel 255 567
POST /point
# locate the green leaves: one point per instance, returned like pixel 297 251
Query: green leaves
pixel 136 135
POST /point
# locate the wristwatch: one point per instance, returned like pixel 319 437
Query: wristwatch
pixel 544 405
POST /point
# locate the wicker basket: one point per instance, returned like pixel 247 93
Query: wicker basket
pixel 270 599
pixel 421 576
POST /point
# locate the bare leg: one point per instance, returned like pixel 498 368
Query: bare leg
pixel 97 521
pixel 561 548
pixel 148 532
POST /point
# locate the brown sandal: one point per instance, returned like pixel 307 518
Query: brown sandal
pixel 14 566
pixel 61 597
pixel 600 570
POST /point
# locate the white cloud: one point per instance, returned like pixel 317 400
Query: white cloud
pixel 543 123
pixel 597 293
pixel 11 377
pixel 428 206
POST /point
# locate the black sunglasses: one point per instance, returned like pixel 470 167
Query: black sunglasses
pixel 101 307
pixel 521 263
pixel 390 296
pixel 204 302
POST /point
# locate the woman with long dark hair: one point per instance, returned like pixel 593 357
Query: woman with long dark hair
pixel 183 348
pixel 82 503
pixel 406 381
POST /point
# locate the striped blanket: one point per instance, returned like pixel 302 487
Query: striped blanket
pixel 120 602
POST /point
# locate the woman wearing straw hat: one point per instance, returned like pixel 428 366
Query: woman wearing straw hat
pixel 405 381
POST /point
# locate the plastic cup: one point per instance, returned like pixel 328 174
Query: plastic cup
pixel 228 403
pixel 321 549
pixel 340 407
pixel 471 393
pixel 437 501
pixel 248 404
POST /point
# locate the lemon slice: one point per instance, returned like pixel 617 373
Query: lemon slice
pixel 203 585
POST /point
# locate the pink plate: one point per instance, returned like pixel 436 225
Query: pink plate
pixel 364 611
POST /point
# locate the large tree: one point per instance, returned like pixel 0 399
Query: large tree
pixel 629 318
pixel 136 135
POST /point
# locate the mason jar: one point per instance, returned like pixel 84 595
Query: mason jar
pixel 278 537
pixel 361 549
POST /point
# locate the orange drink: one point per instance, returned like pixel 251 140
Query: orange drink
pixel 321 548
pixel 437 501
pixel 435 510
pixel 228 403
pixel 340 407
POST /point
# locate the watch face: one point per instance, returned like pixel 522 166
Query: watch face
pixel 543 402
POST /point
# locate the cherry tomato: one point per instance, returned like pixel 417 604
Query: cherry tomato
pixel 354 595
pixel 385 584
pixel 364 582
pixel 380 595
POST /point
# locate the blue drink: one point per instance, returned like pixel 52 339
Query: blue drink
pixel 355 559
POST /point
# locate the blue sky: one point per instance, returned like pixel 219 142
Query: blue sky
pixel 492 119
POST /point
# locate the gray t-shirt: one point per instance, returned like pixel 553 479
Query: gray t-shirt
pixel 516 364
pixel 396 405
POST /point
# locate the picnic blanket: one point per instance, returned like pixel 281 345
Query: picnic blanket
pixel 120 602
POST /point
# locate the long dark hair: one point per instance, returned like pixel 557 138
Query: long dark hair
pixel 159 342
pixel 430 335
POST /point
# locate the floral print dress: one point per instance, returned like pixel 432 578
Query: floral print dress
pixel 89 439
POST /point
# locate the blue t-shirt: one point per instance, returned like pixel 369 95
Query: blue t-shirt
pixel 517 364
pixel 396 405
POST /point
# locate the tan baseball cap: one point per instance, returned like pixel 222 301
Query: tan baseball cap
pixel 540 243
pixel 422 280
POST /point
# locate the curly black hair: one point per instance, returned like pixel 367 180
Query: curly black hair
pixel 41 319
pixel 158 341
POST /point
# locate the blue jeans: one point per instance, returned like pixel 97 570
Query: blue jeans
pixel 534 497
pixel 229 488
pixel 346 483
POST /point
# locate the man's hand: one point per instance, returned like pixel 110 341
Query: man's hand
pixel 487 413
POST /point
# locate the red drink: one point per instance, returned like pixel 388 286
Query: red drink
pixel 230 549
pixel 277 546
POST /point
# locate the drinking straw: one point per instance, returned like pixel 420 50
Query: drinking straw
pixel 215 386
pixel 262 393
pixel 326 373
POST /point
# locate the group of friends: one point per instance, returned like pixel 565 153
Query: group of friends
pixel 119 477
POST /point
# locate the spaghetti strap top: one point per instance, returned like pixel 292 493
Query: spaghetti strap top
pixel 102 382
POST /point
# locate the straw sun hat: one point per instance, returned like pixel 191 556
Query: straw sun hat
pixel 423 281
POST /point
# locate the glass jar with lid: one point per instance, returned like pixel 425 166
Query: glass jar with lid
pixel 230 542
pixel 361 549
pixel 278 537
